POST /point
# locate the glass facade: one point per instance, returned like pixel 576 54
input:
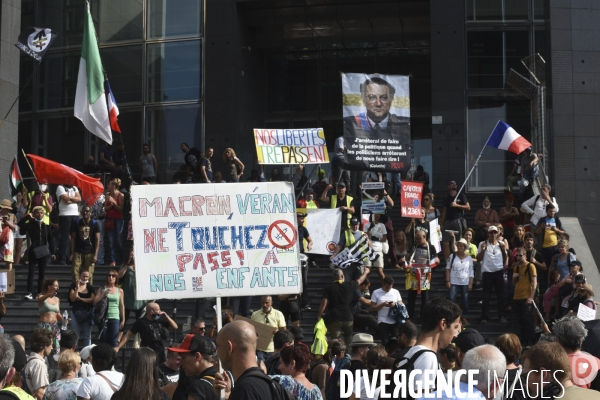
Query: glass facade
pixel 151 52
pixel 499 34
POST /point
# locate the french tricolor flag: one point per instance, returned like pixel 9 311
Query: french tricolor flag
pixel 113 110
pixel 506 138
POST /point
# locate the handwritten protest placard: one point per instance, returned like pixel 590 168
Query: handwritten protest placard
pixel 410 199
pixel 323 225
pixel 291 146
pixel 7 281
pixel 211 240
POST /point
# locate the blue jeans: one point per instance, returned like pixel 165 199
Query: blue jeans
pixel 454 289
pixel 110 332
pixel 83 330
pixel 115 243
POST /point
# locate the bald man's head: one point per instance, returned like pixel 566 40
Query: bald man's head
pixel 237 340
pixel 19 339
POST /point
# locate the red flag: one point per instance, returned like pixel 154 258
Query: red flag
pixel 48 171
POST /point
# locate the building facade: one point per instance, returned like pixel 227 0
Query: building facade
pixel 207 73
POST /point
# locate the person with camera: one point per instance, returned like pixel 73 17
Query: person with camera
pixel 153 329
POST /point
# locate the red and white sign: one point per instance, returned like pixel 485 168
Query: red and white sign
pixel 410 199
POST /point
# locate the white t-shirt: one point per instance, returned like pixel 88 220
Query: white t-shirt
pixel 64 208
pixel 381 296
pixel 492 258
pixel 36 372
pixel 460 270
pixel 339 144
pixel 427 362
pixel 378 231
pixel 96 388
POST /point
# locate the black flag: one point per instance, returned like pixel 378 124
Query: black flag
pixel 35 41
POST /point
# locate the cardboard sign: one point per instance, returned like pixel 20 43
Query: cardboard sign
pixel 291 146
pixel 7 281
pixel 435 235
pixel 324 227
pixel 410 199
pixel 586 313
pixel 215 240
pixel 263 331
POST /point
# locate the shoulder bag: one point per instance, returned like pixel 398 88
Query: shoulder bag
pixel 42 250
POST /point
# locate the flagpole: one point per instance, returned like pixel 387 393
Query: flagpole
pixel 30 167
pixel 476 162
pixel 15 102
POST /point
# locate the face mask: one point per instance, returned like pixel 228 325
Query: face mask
pixel 38 220
pixel 82 281
pixel 156 317
pixel 268 310
pixel 339 281
pixel 43 187
pixel 486 207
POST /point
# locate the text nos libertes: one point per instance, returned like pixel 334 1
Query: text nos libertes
pixel 291 146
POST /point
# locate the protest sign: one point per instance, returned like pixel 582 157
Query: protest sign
pixel 7 281
pixel 264 332
pixel 372 197
pixel 324 228
pixel 376 110
pixel 291 146
pixel 586 313
pixel 410 199
pixel 435 235
pixel 215 240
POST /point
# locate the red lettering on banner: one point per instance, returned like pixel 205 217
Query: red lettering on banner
pixel 410 204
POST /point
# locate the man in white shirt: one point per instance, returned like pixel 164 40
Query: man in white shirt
pixel 492 255
pixel 68 197
pixel 106 382
pixel 36 369
pixel 381 301
pixel 440 324
pixel 536 206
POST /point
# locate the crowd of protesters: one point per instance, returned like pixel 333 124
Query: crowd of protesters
pixel 522 255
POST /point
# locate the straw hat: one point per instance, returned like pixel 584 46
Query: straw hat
pixel 6 203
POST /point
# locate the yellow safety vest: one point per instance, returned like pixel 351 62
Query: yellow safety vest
pixel 348 203
pixel 311 204
pixel 17 391
pixel 44 203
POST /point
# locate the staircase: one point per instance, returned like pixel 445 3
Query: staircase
pixel 22 315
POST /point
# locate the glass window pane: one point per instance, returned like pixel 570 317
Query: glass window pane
pixel 485 59
pixel 26 70
pixel 484 10
pixel 516 10
pixel 346 61
pixel 58 80
pixel 64 138
pixel 120 20
pixel 292 83
pixel 174 18
pixel 166 129
pixel 123 66
pixel 173 71
pixel 539 9
pixel 64 17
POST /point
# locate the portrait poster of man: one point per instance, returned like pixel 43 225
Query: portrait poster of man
pixel 376 122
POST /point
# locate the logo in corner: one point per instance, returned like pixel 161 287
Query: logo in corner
pixel 584 368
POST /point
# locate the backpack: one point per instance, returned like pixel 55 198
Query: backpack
pixel 332 387
pixel 277 390
pixel 100 311
pixel 408 366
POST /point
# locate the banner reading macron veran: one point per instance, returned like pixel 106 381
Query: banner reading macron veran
pixel 215 240
pixel 291 146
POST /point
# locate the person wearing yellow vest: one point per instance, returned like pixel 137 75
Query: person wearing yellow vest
pixel 341 201
pixel 308 201
pixel 37 198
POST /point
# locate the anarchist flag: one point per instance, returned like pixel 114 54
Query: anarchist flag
pixel 35 41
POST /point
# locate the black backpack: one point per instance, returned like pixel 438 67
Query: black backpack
pixel 277 390
pixel 100 311
pixel 408 366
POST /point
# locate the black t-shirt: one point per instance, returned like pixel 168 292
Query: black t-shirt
pixel 251 388
pixel 538 256
pixel 453 213
pixel 205 162
pixel 355 365
pixel 148 330
pixel 168 375
pixel 80 305
pixel 355 305
pixel 339 297
pixel 202 388
pixel 272 364
pixel 85 235
pixel 302 234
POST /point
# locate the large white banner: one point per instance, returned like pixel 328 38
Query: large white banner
pixel 324 227
pixel 209 240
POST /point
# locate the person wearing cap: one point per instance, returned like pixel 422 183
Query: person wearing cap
pixel 548 230
pixel 459 275
pixel 524 279
pixel 308 201
pixel 8 223
pixel 492 254
pixel 340 200
pixel 361 343
pixel 41 237
pixel 321 183
pixel 197 360
pixel 149 327
pixel 535 207
pixel 583 294
pixel 466 340
pixel 452 213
